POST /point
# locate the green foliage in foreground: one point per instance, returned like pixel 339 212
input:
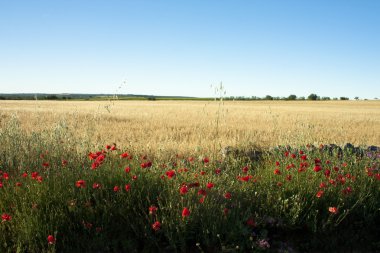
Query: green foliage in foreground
pixel 287 200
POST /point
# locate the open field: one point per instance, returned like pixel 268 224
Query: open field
pixel 133 176
pixel 188 126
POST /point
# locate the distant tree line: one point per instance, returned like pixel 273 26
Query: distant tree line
pixel 288 98
pixel 28 96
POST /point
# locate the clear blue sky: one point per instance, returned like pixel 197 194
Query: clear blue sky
pixel 161 47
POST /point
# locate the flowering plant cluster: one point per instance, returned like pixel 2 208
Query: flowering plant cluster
pixel 114 199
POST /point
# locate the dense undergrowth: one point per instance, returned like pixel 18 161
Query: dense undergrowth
pixel 59 194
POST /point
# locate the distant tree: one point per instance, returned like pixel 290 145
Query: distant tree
pixel 335 98
pixel 292 97
pixel 268 97
pixel 356 98
pixel 301 98
pixel 312 96
pixel 51 97
pixel 326 98
pixel 344 98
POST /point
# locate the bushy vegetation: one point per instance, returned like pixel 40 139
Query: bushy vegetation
pixel 97 97
pixel 60 194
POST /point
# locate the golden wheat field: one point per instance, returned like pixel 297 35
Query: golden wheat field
pixel 191 126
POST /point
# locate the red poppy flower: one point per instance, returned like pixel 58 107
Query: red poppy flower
pixel 92 156
pixel 170 173
pixel 251 222
pixel 322 185
pixel 193 185
pixel 206 160
pixel 95 165
pixel 96 186
pixel 6 217
pixel 201 200
pixel 127 169
pixel 319 194
pixel 127 187
pixel 245 169
pixel 146 165
pixel 1 185
pixel 227 195
pixel 124 155
pixel 51 239
pixel 293 156
pixel 245 179
pixel 277 163
pixel 64 162
pixel 341 179
pixel 100 158
pixel 152 210
pixel 210 185
pixel 317 168
pixel 80 184
pixel 134 177
pixel 39 179
pixel 87 225
pixel 301 169
pixel 202 192
pixel 203 172
pixel 333 210
pixel 289 177
pixel 277 172
pixel 156 226
pixel 183 190
pixel 290 166
pixel 116 188
pixel 327 173
pixel 6 176
pixel 347 190
pixel 218 171
pixel 24 174
pixel 185 212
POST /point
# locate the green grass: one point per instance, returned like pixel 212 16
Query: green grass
pixel 280 209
